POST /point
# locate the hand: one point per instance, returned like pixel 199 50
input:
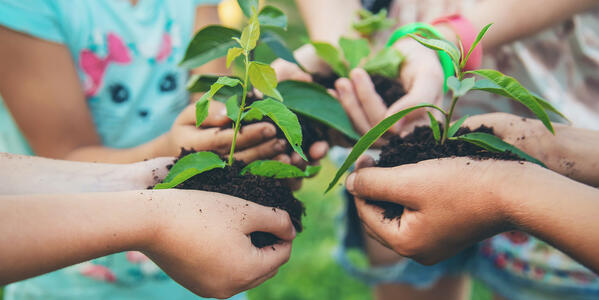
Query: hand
pixel 449 204
pixel 255 141
pixel 202 241
pixel 420 74
pixel 289 71
pixel 317 151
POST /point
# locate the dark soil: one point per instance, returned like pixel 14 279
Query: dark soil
pixel 265 191
pixel 421 145
pixel 390 90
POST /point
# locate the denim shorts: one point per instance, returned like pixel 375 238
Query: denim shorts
pixel 509 264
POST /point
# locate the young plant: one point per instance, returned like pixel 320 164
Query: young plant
pixel 263 78
pixel 494 82
pixel 368 23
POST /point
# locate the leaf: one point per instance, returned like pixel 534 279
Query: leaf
pixel 264 78
pixel 278 170
pixel 332 57
pixel 386 63
pixel 440 45
pixel 285 119
pixel 456 126
pixel 209 43
pixel 495 144
pixel 232 54
pixel 278 46
pixel 252 115
pixel 511 88
pixel 480 36
pixel 370 137
pixel 370 23
pixel 247 6
pixel 232 108
pixel 460 88
pixel 354 50
pixel 202 83
pixel 203 105
pixel 250 34
pixel 189 166
pixel 314 101
pixel 271 16
pixel 548 107
pixel 434 126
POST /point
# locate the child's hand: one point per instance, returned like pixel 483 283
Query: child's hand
pixel 449 203
pixel 202 241
pixel 255 141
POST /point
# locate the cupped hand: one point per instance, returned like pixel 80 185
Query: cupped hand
pixel 202 240
pixel 255 141
pixel 449 204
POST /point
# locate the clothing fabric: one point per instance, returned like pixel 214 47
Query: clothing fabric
pixel 561 64
pixel 126 57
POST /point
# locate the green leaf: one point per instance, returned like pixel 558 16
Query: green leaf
pixel 456 126
pixel 354 50
pixel 385 63
pixel 189 166
pixel 285 119
pixel 332 57
pixel 252 115
pixel 434 126
pixel 313 101
pixel 232 108
pixel 511 88
pixel 209 43
pixel 203 105
pixel 202 83
pixel 277 45
pixel 232 54
pixel 247 6
pixel 264 78
pixel 278 170
pixel 548 107
pixel 271 16
pixel 495 144
pixel 370 137
pixel 202 108
pixel 370 23
pixel 440 45
pixel 250 34
pixel 460 88
pixel 480 36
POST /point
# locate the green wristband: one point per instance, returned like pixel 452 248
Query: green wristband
pixel 428 32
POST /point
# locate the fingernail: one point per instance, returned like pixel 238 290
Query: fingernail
pixel 280 146
pixel 349 182
pixel 269 132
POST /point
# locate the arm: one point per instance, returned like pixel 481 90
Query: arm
pixel 41 233
pixel 444 216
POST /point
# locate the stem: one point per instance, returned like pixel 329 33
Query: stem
pixel 242 107
pixel 454 100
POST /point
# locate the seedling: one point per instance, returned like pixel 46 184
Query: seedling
pixel 494 82
pixel 368 23
pixel 259 75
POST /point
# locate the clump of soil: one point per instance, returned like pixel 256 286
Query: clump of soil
pixel 421 145
pixel 390 90
pixel 265 191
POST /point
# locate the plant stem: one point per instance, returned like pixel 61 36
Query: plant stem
pixel 448 116
pixel 242 107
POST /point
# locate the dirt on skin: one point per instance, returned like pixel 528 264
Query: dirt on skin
pixel 265 191
pixel 420 145
pixel 390 90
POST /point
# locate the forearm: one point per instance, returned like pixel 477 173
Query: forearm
pixel 99 153
pixel 328 20
pixel 562 212
pixel 42 233
pixel 28 175
pixel 512 18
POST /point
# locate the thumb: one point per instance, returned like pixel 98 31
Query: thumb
pixel 217 115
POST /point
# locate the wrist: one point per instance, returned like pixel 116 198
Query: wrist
pixel 145 217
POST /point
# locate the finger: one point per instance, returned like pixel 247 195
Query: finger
pixel 220 140
pixel 266 150
pixel 217 115
pixel 420 92
pixel 294 183
pixel 374 235
pixel 270 220
pixel 319 150
pixel 284 158
pixel 273 257
pixel 349 101
pixel 388 184
pixel 365 161
pixel 333 93
pixel 298 161
pixel 371 102
pixel 254 134
pixel 258 281
pixel 379 228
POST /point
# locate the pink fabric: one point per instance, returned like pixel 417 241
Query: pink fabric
pixel 95 67
pixel 467 35
pixel 98 272
pixel 165 48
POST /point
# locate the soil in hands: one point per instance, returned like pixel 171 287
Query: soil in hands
pixel 421 145
pixel 389 89
pixel 265 191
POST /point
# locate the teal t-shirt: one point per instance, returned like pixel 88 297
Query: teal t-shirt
pixel 126 57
